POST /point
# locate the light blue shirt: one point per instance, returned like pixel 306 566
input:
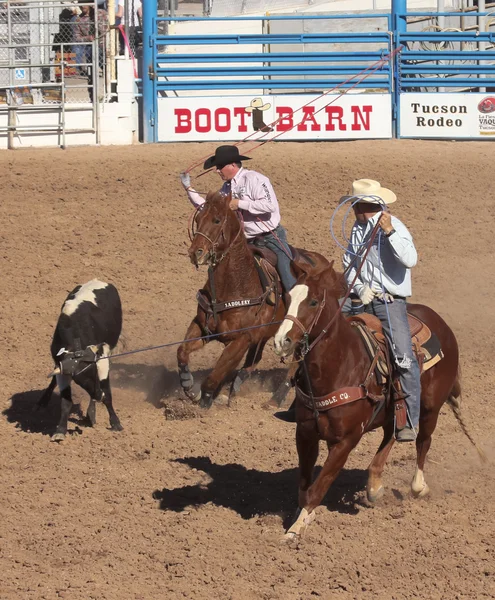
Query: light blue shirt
pixel 389 265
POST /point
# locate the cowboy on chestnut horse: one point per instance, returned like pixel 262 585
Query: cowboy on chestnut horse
pixel 253 196
pixel 382 286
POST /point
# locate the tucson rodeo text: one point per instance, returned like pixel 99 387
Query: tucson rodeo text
pixel 307 118
pixel 432 113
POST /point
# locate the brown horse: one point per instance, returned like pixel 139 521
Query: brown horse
pixel 234 288
pixel 337 365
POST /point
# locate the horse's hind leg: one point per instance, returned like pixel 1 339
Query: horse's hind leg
pixel 253 357
pixel 427 424
pixel 374 488
pixel 183 353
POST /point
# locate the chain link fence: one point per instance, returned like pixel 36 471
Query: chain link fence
pixel 52 52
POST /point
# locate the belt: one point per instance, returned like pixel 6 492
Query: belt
pixel 265 233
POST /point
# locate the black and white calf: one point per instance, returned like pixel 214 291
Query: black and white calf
pixel 88 328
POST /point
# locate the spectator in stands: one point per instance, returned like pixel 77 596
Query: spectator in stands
pixel 86 25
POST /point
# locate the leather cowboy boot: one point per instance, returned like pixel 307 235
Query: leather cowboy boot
pixel 289 415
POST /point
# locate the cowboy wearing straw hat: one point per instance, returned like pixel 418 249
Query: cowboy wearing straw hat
pixel 384 283
pixel 253 195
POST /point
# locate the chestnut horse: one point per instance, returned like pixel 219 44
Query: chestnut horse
pixel 338 359
pixel 219 241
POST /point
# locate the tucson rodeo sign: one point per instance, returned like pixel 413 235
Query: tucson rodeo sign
pixel 453 115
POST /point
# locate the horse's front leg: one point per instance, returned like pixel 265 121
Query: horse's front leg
pixel 183 353
pixel 374 488
pixel 226 364
pixel 336 459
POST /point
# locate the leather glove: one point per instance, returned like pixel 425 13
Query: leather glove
pixel 185 179
pixel 366 294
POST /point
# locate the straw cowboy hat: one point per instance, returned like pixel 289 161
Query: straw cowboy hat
pixel 224 155
pixel 369 190
pixel 257 104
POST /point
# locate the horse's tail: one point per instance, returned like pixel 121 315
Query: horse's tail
pixel 454 401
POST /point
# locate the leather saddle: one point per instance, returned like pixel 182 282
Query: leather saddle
pixel 425 343
pixel 298 255
pixel 266 263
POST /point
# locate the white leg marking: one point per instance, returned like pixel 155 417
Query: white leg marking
pixel 85 294
pixel 419 487
pixel 304 518
pixel 103 366
pixel 298 293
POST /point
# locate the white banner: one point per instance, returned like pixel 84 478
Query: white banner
pixel 447 116
pixel 284 117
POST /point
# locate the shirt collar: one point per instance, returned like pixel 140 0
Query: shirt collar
pixel 236 177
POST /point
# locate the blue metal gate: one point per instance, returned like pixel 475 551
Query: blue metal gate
pixel 368 53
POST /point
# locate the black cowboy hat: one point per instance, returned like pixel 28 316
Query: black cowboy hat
pixel 224 155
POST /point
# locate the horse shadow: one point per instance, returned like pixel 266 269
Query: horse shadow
pixel 251 493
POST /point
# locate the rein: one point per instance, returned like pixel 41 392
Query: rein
pixel 214 243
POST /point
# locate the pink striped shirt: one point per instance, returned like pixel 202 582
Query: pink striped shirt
pixel 257 201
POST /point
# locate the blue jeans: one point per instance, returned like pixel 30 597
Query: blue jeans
pixel 397 332
pixel 83 56
pixel 271 242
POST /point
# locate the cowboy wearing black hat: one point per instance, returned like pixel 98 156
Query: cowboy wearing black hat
pixel 253 195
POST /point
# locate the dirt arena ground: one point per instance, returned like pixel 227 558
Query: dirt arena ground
pixel 195 508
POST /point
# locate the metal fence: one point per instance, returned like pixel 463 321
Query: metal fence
pixel 52 58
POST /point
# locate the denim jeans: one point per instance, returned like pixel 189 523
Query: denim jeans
pixel 397 332
pixel 83 56
pixel 271 242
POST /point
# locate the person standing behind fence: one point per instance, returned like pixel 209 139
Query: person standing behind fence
pixel 134 18
pixel 85 26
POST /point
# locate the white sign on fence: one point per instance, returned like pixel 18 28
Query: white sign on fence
pixel 20 73
pixel 284 117
pixel 447 116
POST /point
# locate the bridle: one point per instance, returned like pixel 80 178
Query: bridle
pixel 304 342
pixel 213 259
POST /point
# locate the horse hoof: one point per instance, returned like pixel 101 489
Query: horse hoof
pixel 303 519
pixel 116 427
pixel 193 393
pixel 421 493
pixel 206 400
pixel 375 495
pixel 57 437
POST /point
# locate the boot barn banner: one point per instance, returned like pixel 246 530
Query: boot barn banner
pixel 447 116
pixel 289 117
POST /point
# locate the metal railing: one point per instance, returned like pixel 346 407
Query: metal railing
pixel 52 61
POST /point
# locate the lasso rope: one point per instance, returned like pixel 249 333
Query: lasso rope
pixel 365 74
pixel 351 201
pixel 176 343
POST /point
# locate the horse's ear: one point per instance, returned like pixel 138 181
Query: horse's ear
pixel 210 195
pixel 336 281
